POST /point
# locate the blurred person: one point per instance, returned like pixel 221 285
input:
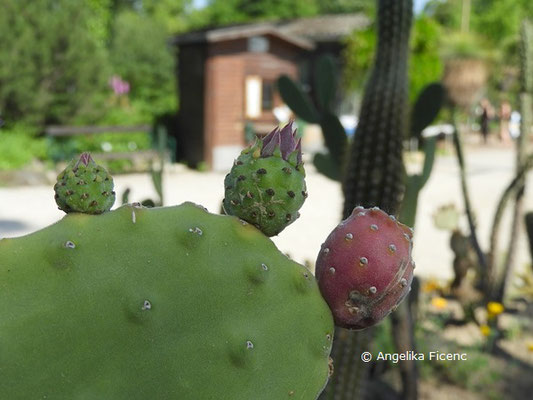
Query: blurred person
pixel 487 113
pixel 505 116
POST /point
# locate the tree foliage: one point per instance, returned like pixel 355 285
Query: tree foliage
pixel 425 64
pixel 52 64
pixel 141 55
pixel 223 12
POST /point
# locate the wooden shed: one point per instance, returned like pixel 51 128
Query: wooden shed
pixel 226 83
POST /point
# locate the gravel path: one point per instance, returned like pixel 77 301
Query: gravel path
pixel 26 209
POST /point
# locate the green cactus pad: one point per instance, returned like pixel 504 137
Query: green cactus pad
pixel 267 192
pixel 162 303
pixel 84 187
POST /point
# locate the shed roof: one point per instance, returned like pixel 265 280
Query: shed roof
pixel 241 31
pixel 326 27
pixel 302 32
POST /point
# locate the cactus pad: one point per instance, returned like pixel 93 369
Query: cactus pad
pixel 84 187
pixel 162 303
pixel 364 268
pixel 266 185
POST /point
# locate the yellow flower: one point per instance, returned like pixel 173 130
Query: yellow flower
pixel 530 346
pixel 494 308
pixel 439 302
pixel 485 330
pixel 430 286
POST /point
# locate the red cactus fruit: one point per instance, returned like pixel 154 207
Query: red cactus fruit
pixel 364 268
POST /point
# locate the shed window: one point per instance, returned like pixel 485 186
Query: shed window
pixel 267 95
pixel 258 44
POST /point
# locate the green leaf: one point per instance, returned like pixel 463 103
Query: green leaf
pixel 427 107
pixel 326 166
pixel 298 101
pixel 325 82
pixel 126 196
pixel 429 158
pixel 335 137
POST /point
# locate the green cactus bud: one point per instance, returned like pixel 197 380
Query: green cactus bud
pixel 266 185
pixel 84 187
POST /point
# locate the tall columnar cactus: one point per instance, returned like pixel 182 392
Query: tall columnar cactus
pixel 374 174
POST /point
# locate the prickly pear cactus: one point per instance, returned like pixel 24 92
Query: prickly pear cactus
pixel 84 187
pixel 364 268
pixel 266 185
pixel 162 303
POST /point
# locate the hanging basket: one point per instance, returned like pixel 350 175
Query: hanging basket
pixel 464 78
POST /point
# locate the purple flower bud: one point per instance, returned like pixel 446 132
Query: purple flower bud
pixel 283 139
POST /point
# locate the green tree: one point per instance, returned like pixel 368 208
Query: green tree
pixel 141 55
pixel 425 65
pixel 223 12
pixel 53 67
pixel 346 6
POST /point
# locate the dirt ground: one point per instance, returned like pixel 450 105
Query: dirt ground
pixel 29 208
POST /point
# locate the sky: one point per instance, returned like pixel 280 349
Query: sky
pixel 419 4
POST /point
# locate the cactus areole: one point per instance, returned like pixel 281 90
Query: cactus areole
pixel 266 185
pixel 364 268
